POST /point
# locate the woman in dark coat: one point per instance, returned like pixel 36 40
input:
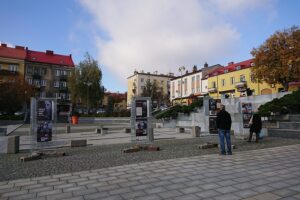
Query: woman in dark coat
pixel 255 126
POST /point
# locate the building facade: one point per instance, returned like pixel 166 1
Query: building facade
pixel 12 62
pixel 237 80
pixel 137 82
pixel 190 85
pixel 48 73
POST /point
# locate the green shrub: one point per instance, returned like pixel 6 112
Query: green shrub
pixel 289 103
pixel 173 111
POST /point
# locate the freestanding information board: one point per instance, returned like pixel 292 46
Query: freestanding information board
pixel 43 124
pixel 141 123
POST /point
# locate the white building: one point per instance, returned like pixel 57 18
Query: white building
pixel 190 84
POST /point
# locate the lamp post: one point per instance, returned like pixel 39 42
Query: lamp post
pixel 181 69
pixel 87 96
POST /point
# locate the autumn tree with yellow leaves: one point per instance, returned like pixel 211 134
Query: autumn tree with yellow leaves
pixel 277 60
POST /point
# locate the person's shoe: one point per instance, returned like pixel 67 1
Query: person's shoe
pixel 223 154
pixel 229 153
pixel 248 141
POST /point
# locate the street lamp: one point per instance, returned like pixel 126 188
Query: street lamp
pixel 87 96
pixel 181 69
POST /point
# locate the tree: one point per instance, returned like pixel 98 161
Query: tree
pixel 15 92
pixel 85 82
pixel 155 93
pixel 277 60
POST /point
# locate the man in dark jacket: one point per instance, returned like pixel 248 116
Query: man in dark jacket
pixel 224 126
pixel 255 126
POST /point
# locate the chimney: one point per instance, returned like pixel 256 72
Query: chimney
pixel 49 52
pixel 3 45
pixel 205 65
pixel 186 72
pixel 20 47
pixel 230 63
pixel 195 68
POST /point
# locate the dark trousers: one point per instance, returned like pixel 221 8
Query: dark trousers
pixel 250 136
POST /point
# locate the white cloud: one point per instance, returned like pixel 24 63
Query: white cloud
pixel 162 35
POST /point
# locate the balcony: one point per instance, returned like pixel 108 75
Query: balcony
pixel 36 76
pixel 241 84
pixel 212 90
pixel 5 72
pixel 63 77
pixel 63 89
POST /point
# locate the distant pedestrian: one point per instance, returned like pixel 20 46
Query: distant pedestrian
pixel 224 126
pixel 255 126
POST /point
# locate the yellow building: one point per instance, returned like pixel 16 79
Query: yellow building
pixel 138 80
pixel 236 80
pixel 12 62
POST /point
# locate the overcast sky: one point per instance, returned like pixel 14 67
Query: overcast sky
pixel 149 35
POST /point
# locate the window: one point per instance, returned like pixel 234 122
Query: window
pixel 225 71
pixel 29 70
pixel 0 67
pixel 223 82
pixel 64 84
pixel 29 81
pixel 57 95
pixel 43 94
pixel 185 86
pixel 36 70
pixel 37 83
pixel 252 78
pixel 242 78
pixel 57 72
pixel 232 81
pixel 142 80
pixel 198 83
pixel 142 88
pixel 238 67
pixel 43 82
pixel 213 84
pixel 56 83
pixel 13 68
pixel 44 71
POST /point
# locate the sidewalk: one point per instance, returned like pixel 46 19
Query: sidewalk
pixel 266 174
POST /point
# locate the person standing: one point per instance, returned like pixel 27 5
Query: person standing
pixel 224 126
pixel 255 126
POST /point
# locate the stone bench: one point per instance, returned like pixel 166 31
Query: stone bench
pixel 104 129
pixel 9 144
pixel 78 143
pixel 196 130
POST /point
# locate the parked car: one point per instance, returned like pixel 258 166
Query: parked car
pixel 18 113
pixel 100 110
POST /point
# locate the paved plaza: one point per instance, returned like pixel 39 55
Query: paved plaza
pixel 264 174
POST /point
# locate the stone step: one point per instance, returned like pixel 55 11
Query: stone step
pixel 284 133
pixel 289 125
pixel 294 118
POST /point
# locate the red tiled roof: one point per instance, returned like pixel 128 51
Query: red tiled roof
pixel 8 52
pixel 232 67
pixel 50 57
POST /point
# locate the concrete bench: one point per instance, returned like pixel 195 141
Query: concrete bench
pixel 9 144
pixel 78 143
pixel 104 129
pixel 195 130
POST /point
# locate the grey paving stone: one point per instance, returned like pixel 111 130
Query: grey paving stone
pixel 210 186
pixel 296 188
pixel 39 185
pixel 245 193
pixel 175 186
pixel 25 183
pixel 73 188
pixel 116 197
pixel 267 196
pixel 285 192
pixel 263 188
pixel 207 193
pixel 64 186
pixel 14 193
pixel 23 196
pixel 81 183
pixel 187 197
pixel 133 195
pixel 227 189
pixel 227 197
pixel 77 180
pixel 243 186
pixel 59 196
pixel 98 195
pixel 279 185
pixel 119 191
pixel 49 192
pixel 6 186
pixel 169 194
pixel 190 190
pixel 142 186
pixel 155 190
pixel 84 191
pixel 149 197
